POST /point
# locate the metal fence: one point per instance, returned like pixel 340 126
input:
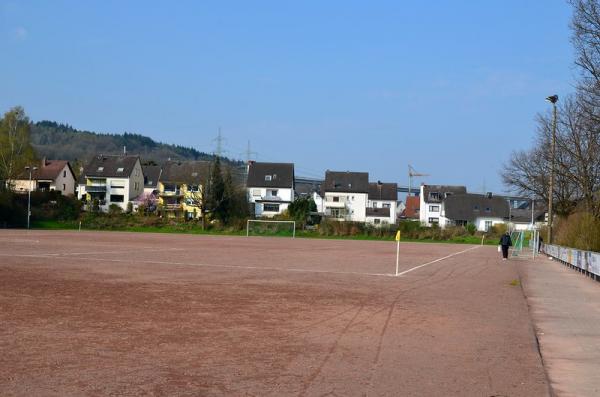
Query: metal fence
pixel 586 262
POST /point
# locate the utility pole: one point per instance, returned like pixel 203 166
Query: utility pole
pixel 249 153
pixel 552 99
pixel 219 139
pixel 30 169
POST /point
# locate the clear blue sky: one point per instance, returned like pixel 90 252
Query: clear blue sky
pixel 450 87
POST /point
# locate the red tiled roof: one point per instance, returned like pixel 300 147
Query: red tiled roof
pixel 413 204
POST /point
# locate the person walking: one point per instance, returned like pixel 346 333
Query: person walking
pixel 505 242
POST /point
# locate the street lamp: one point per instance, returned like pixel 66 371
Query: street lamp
pixel 552 99
pixel 30 169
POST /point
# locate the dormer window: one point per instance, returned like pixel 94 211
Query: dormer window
pixel 434 196
pixel 447 194
pixel 120 169
pixel 488 209
pixel 268 178
pixel 194 174
pixel 100 169
pixel 476 208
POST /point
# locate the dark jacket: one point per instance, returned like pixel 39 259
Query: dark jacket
pixel 505 240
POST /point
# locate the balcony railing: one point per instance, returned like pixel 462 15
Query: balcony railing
pixel 271 198
pixel 95 188
pixel 173 206
pixel 171 192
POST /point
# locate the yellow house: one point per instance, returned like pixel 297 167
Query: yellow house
pixel 180 188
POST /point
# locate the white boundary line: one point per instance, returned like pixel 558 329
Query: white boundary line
pixel 295 270
pixel 437 260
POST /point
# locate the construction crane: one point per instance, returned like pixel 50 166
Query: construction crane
pixel 412 172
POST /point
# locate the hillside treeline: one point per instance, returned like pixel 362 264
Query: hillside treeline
pixel 61 141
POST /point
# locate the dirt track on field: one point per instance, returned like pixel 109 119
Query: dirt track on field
pixel 95 313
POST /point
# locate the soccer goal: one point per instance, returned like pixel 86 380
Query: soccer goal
pixel 524 244
pixel 270 228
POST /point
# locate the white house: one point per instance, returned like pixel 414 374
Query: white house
pixel 111 180
pixel 382 203
pixel 345 195
pixel 430 205
pixel 48 175
pixel 270 187
pixel 482 210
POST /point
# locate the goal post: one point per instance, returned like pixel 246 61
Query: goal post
pixel 269 227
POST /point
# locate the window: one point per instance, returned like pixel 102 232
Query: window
pixel 194 174
pixel 194 188
pixel 488 225
pixel 120 170
pixel 64 187
pixel 476 208
pixel 434 208
pixel 256 192
pixel 338 212
pixel 374 204
pixel 117 198
pixel 447 194
pixel 64 174
pixel 271 207
pixel 386 205
pixel 100 169
pixel 335 199
pixel 434 220
pixel 272 193
pixel 434 196
pixel 376 221
pixel 268 177
pixel 488 209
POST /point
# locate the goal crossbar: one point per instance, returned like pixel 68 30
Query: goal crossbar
pixel 264 221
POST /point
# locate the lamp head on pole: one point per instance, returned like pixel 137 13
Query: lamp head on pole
pixel 553 99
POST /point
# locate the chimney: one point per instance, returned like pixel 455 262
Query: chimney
pixel 43 161
pixel 124 150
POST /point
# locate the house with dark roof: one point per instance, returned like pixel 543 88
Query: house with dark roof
pixel 345 195
pixel 270 187
pixel 430 202
pixel 382 202
pixel 111 179
pixel 46 176
pixel 482 210
pixel 180 188
pixel 151 177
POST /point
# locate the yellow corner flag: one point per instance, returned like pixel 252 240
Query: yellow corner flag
pixel 398 235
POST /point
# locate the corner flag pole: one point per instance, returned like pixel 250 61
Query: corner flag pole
pixel 397 250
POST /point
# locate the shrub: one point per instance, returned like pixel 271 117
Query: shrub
pixel 580 230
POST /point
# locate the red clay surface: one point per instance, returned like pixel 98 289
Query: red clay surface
pixel 94 313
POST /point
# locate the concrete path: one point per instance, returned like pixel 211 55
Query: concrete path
pixel 565 307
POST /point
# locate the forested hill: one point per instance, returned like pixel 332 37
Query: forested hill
pixel 60 141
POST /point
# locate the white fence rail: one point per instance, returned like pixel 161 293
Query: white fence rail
pixel 587 262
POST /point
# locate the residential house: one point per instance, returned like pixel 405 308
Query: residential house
pixel 111 179
pixel 48 175
pixel 482 210
pixel 430 202
pixel 521 216
pixel 180 188
pixel 346 195
pixel 411 211
pixel 382 203
pixel 270 187
pixel 311 189
pixel 149 197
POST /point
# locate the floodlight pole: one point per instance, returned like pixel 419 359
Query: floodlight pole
pixel 30 169
pixel 552 99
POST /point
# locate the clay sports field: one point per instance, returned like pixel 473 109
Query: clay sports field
pixel 107 313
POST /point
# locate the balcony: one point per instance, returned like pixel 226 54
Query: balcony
pixel 271 198
pixel 173 207
pixel 335 204
pixel 171 193
pixel 95 188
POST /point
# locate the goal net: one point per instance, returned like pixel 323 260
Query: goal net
pixel 257 227
pixel 524 243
